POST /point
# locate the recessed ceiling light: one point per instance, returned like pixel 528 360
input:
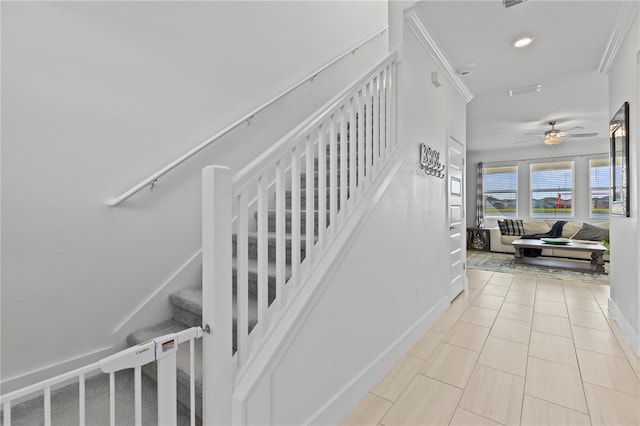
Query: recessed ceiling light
pixel 523 41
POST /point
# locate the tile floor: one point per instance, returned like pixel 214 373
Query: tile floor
pixel 513 349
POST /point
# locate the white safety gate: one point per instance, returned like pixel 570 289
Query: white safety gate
pixel 162 350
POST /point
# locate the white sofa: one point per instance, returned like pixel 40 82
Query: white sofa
pixel 502 243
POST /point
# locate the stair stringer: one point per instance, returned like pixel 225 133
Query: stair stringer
pixel 302 300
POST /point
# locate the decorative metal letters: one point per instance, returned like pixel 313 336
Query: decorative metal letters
pixel 430 161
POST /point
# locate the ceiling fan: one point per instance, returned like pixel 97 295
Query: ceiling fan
pixel 555 136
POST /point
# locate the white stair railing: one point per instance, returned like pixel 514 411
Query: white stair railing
pixel 161 350
pixel 301 192
pixel 153 179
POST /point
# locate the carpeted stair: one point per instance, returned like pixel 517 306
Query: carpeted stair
pixel 187 304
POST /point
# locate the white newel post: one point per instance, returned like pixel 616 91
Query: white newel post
pixel 218 366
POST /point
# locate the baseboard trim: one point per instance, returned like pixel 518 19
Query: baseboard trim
pixel 631 336
pixel 347 397
pixel 20 381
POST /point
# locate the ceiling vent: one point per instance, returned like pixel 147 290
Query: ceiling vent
pixel 509 3
pixel 524 90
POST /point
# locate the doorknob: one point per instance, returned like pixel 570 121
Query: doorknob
pixel 452 227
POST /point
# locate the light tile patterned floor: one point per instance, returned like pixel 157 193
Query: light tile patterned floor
pixel 513 349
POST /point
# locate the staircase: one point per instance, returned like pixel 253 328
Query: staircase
pixel 329 163
pixel 187 304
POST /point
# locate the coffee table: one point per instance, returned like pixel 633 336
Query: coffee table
pixel 597 251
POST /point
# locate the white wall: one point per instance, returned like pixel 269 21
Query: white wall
pixel 98 95
pixel 578 152
pixel 624 85
pixel 391 281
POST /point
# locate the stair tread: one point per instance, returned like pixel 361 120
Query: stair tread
pixel 252 266
pixel 195 302
pixel 189 299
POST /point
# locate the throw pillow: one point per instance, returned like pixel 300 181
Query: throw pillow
pixel 592 233
pixel 502 226
pixel 536 227
pixel 570 229
pixel 511 227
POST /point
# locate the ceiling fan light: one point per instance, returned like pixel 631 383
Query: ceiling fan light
pixel 523 41
pixel 552 140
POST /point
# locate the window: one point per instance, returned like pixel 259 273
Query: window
pixel 500 191
pixel 599 187
pixel 552 189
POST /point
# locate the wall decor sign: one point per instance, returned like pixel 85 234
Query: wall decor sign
pixel 430 161
pixel 619 204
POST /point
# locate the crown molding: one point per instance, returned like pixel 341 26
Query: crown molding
pixel 416 23
pixel 626 15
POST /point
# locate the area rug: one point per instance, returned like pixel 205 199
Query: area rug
pixel 503 262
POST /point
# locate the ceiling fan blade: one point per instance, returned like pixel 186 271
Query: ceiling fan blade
pixel 572 128
pixel 528 140
pixel 580 135
pixel 533 134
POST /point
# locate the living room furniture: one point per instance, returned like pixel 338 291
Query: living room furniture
pixel 478 239
pixel 594 249
pixel 503 243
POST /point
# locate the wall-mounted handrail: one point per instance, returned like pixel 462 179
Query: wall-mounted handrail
pixel 151 180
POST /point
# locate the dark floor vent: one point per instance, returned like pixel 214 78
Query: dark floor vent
pixel 509 3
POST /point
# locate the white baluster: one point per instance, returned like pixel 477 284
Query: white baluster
pixel 242 273
pixel 353 143
pixel 295 214
pixel 81 400
pixel 310 221
pixel 383 116
pixel 47 406
pixel 344 154
pixel 393 112
pixel 333 175
pixel 166 348
pixel 218 367
pixel 322 186
pixel 137 395
pixel 361 153
pixel 370 131
pixel 192 382
pixel 280 234
pixel 263 261
pixel 112 399
pixel 376 123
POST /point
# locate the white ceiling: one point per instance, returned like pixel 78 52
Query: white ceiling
pixel 570 40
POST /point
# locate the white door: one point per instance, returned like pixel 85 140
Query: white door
pixel 455 216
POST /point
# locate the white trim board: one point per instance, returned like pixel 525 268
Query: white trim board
pixel 416 23
pixel 626 15
pixel 347 398
pixel 631 336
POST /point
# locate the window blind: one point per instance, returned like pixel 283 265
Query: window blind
pixel 552 189
pixel 500 191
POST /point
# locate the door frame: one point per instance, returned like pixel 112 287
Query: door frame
pixel 463 221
